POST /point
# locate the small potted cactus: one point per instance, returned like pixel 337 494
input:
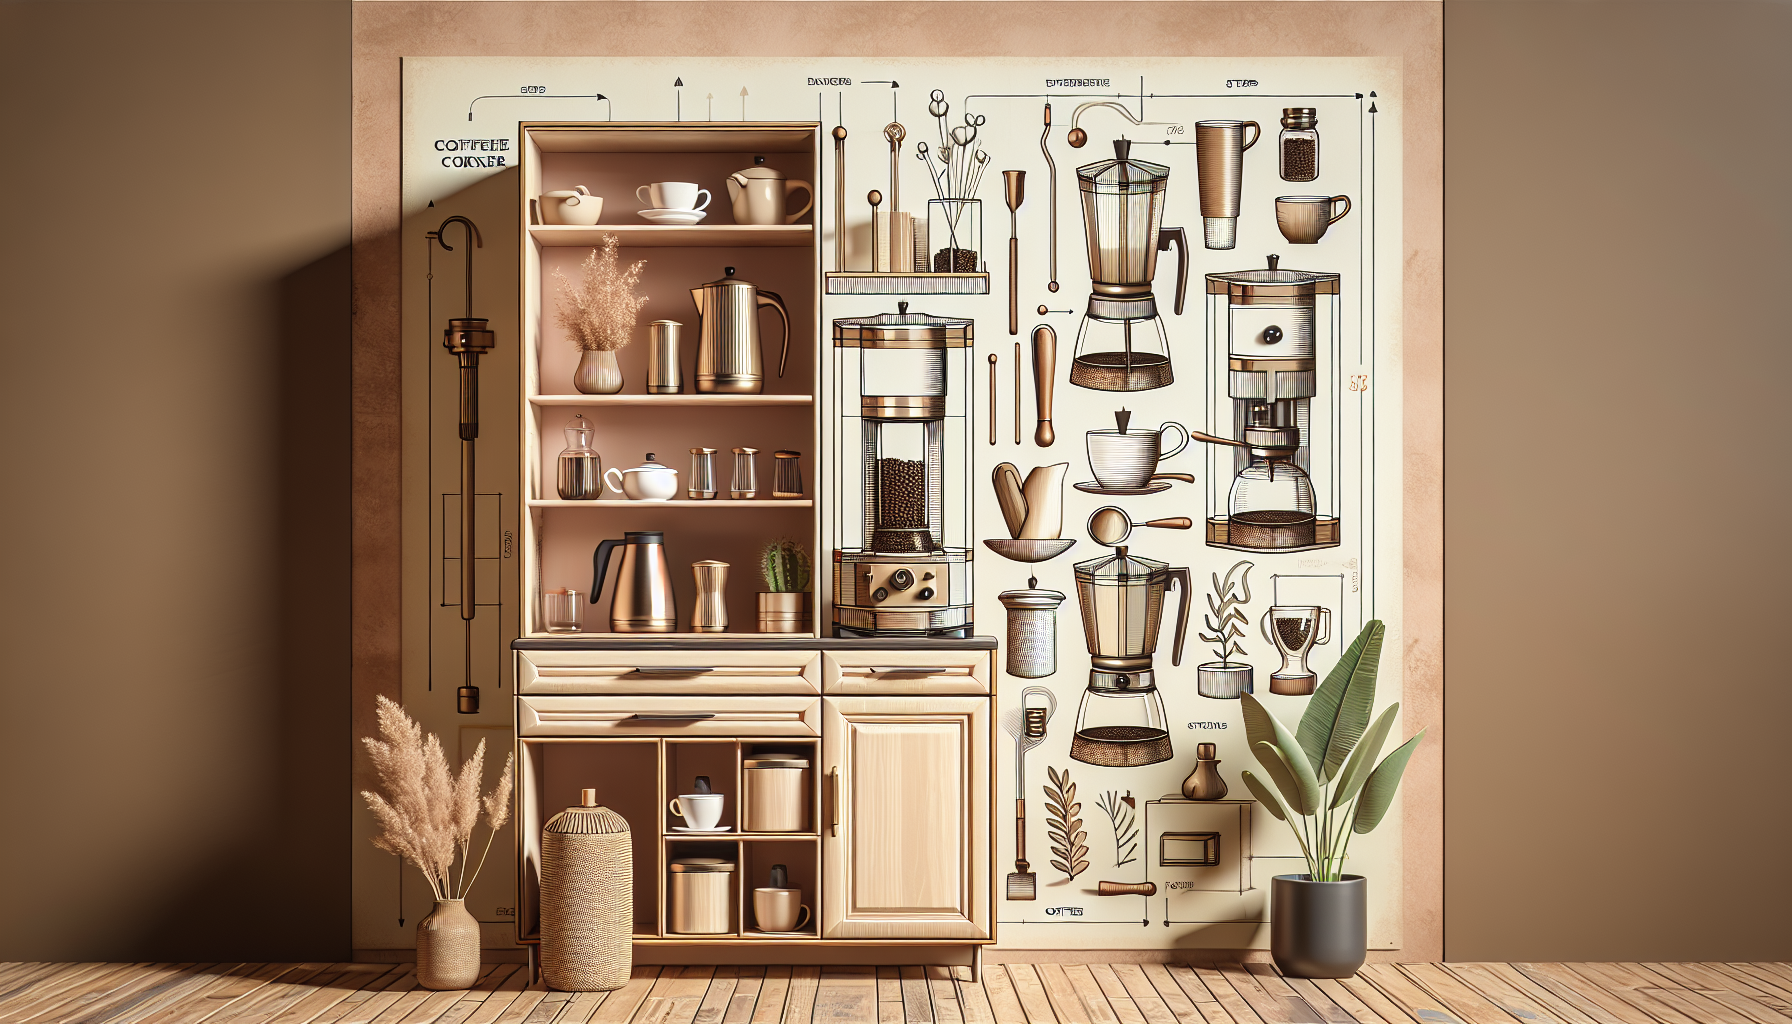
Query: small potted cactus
pixel 784 604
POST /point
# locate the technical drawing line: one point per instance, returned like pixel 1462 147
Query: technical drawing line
pixel 609 113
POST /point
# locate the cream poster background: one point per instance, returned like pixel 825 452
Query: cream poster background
pixel 1364 483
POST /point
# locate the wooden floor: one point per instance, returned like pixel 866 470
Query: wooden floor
pixel 1471 993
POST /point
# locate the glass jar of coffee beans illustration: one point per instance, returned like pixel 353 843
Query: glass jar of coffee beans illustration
pixel 1299 144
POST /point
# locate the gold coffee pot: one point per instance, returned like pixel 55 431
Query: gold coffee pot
pixel 728 341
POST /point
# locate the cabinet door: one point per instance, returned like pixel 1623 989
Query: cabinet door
pixel 907 841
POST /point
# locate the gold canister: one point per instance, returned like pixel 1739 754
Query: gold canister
pixel 777 793
pixel 702 896
pixel 665 376
pixel 787 474
pixel 712 598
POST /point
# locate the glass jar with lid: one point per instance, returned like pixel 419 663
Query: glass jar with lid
pixel 581 472
pixel 1298 146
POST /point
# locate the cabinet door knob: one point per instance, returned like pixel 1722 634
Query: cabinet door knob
pixel 833 801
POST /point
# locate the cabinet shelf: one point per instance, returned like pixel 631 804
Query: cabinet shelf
pixel 693 235
pixel 676 503
pixel 671 400
pixel 862 282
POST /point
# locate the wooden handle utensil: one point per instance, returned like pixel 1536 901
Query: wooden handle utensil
pixel 1045 369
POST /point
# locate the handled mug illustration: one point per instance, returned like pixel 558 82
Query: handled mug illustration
pixel 673 195
pixel 1129 458
pixel 1304 219
pixel 1219 166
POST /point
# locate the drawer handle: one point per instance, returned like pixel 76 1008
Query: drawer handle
pixel 672 670
pixel 833 801
pixel 912 670
pixel 683 716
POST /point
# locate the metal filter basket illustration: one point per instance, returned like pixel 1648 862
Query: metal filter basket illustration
pixel 587 898
pixel 1032 650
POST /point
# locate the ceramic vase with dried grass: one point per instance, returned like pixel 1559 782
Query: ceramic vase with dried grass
pixel 448 947
pixel 599 312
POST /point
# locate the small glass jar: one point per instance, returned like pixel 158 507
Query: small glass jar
pixel 702 485
pixel 1298 145
pixel 581 472
pixel 787 474
pixel 746 476
pixel 562 610
pixel 955 234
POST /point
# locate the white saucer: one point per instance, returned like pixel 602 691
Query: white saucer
pixel 673 216
pixel 702 831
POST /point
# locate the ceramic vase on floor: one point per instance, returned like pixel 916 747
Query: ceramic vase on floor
pixel 1319 929
pixel 598 374
pixel 448 947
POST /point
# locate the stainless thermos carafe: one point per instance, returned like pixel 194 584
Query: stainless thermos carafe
pixel 728 360
pixel 643 602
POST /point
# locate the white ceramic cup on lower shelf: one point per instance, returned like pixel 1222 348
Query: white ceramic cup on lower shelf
pixel 701 811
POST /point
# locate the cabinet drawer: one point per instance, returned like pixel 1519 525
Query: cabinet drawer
pixel 694 672
pixel 899 672
pixel 668 716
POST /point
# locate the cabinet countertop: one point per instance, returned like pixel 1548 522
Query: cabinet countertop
pixel 688 643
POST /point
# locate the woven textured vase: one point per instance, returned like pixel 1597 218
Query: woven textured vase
pixel 587 899
pixel 448 947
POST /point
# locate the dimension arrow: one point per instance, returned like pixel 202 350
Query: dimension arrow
pixel 892 84
pixel 1043 311
pixel 743 103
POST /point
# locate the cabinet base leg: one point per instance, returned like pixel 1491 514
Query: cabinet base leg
pixel 534 965
pixel 976 965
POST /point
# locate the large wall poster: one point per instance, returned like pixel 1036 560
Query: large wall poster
pixel 1306 358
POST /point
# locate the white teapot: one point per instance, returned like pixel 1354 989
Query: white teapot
pixel 758 193
pixel 649 481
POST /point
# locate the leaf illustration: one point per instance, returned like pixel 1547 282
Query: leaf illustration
pixel 1063 827
pixel 1123 819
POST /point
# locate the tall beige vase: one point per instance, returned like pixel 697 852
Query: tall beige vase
pixel 587 898
pixel 448 947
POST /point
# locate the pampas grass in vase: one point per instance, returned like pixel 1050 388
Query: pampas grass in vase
pixel 600 312
pixel 427 813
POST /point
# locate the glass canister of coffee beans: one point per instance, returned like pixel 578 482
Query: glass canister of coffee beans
pixel 1300 144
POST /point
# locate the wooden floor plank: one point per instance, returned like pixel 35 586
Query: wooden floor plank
pixel 1568 1005
pixel 1464 1001
pixel 716 998
pixel 684 994
pixel 1139 989
pixel 770 1007
pixel 1114 991
pixel 619 1006
pixel 1029 991
pixel 944 994
pixel 278 995
pixel 746 992
pixel 1325 1005
pixel 350 980
pixel 973 997
pixel 1066 1005
pixel 799 1004
pixel 519 1009
pixel 889 995
pixel 847 995
pixel 1619 982
pixel 1334 989
pixel 1180 1004
pixel 1577 990
pixel 1270 1006
pixel 1503 994
pixel 917 1001
pixel 244 983
pixel 1761 980
pixel 19 983
pixel 1740 997
pixel 1373 998
pixel 1222 991
pixel 88 1001
pixel 150 990
pixel 1005 1006
pixel 68 985
pixel 549 1008
pixel 1694 1004
pixel 1095 1001
pixel 1277 986
pixel 1418 1003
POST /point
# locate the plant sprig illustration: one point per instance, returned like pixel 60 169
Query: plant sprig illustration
pixel 1224 619
pixel 1122 812
pixel 1064 828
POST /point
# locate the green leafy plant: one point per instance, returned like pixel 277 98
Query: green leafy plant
pixel 1224 619
pixel 1322 770
pixel 785 567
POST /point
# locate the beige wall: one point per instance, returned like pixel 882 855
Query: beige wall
pixel 1617 418
pixel 174 451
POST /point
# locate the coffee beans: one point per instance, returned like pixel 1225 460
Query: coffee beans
pixel 902 494
pixel 1300 159
pixel 955 261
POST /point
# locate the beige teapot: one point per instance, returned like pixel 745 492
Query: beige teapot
pixel 760 194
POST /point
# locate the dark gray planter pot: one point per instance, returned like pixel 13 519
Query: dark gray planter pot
pixel 1319 929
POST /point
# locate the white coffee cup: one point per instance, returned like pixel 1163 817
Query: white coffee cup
pixel 1125 460
pixel 673 195
pixel 699 810
pixel 575 205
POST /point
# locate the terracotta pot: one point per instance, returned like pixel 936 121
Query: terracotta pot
pixel 598 374
pixel 1319 929
pixel 448 947
pixel 784 612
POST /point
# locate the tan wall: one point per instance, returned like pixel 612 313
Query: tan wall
pixel 1618 359
pixel 174 511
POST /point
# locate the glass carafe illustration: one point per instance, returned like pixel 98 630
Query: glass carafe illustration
pixel 1120 723
pixel 1121 344
pixel 1296 629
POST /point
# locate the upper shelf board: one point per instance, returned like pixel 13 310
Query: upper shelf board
pixel 679 137
pixel 690 400
pixel 859 282
pixel 794 235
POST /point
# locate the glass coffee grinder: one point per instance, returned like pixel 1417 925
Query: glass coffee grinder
pixel 902 564
pixel 1120 722
pixel 1266 333
pixel 1121 344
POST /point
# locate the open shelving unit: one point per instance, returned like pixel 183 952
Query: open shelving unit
pixel 612 160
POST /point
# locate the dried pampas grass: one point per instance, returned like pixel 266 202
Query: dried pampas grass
pixel 426 811
pixel 600 311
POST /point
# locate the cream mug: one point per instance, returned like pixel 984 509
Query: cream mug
pixel 701 811
pixel 575 205
pixel 673 195
pixel 1303 219
pixel 780 910
pixel 1125 460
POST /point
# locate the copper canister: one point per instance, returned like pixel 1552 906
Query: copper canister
pixel 777 793
pixel 702 891
pixel 665 375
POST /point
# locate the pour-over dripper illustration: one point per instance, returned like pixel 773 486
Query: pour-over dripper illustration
pixel 1026 724
pixel 1295 630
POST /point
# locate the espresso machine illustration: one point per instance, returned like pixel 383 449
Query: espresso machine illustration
pixel 1268 329
pixel 1121 344
pixel 1120 722
pixel 902 564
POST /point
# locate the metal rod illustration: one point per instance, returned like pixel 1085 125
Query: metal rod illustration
pixel 839 197
pixel 1045 368
pixel 992 398
pixel 1051 200
pixel 1017 392
pixel 467 338
pixel 1014 189
pixel 874 197
pixel 895 133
